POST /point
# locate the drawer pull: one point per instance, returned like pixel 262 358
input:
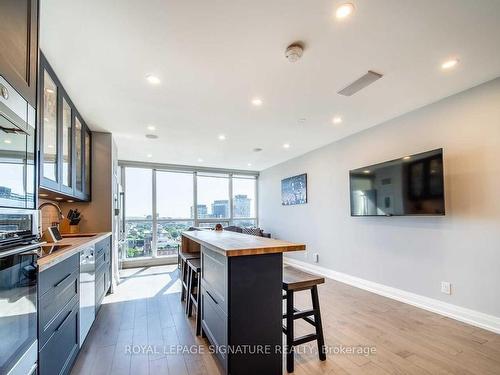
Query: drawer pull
pixel 60 282
pixel 213 299
pixel 64 321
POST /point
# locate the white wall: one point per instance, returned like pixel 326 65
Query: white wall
pixel 413 254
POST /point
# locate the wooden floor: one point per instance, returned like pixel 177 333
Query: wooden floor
pixel 145 310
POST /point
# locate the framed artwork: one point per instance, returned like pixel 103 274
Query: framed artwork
pixel 294 190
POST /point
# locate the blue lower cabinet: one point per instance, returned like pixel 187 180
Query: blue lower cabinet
pixel 58 354
pixel 58 318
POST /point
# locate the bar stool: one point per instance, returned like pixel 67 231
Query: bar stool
pixel 184 257
pixel 295 280
pixel 194 282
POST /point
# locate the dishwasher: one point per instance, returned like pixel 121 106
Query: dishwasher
pixel 87 291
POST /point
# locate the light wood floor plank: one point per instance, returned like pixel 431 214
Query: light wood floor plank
pixel 146 310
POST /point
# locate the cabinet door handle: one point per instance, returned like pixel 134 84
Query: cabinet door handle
pixel 60 282
pixel 64 321
pixel 213 299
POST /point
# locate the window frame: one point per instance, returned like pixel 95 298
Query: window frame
pixel 231 173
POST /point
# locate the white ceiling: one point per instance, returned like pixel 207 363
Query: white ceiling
pixel 213 57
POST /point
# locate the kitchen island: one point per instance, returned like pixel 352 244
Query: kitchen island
pixel 241 298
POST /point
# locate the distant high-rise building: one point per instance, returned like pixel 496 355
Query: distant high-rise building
pixel 241 206
pixel 202 211
pixel 220 208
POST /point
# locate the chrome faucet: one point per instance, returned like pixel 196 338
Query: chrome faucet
pixel 61 216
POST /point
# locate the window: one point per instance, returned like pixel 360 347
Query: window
pixel 138 212
pixel 174 200
pixel 213 196
pixel 244 189
pixel 160 205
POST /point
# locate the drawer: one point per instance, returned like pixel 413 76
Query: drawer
pixel 49 328
pixel 103 246
pixel 55 300
pixel 55 275
pixel 60 351
pixel 214 275
pixel 100 283
pixel 214 322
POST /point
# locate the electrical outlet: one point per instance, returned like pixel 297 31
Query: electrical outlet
pixel 316 257
pixel 445 287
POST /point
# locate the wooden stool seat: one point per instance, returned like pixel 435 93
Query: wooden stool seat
pixel 194 291
pixel 295 280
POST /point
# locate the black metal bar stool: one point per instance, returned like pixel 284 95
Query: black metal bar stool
pixel 194 289
pixel 295 280
pixel 184 257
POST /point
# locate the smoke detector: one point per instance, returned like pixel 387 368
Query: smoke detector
pixel 294 52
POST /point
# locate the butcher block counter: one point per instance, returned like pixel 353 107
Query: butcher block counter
pixel 68 246
pixel 241 298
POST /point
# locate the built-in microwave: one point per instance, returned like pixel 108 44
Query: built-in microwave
pixel 17 149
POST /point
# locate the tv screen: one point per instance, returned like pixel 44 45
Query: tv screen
pixel 410 185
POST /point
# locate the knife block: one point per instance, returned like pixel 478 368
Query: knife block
pixel 66 228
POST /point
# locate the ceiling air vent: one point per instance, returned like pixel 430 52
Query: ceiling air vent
pixel 360 83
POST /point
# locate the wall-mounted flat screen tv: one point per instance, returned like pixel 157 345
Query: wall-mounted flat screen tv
pixel 410 185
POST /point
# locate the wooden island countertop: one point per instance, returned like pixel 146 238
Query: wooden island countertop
pixel 232 244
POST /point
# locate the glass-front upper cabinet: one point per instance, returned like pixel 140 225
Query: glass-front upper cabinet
pixel 66 154
pixel 78 156
pixel 87 162
pixel 49 138
pixel 65 141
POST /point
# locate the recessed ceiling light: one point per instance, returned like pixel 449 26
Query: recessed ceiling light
pixel 286 145
pixel 449 64
pixel 43 195
pixel 152 128
pixel 154 80
pixel 149 155
pixel 200 160
pixel 366 171
pixel 59 199
pixel 249 164
pixel 50 91
pixel 343 11
pixel 337 120
pixel 407 158
pixel 257 102
pixel 70 201
pixel 8 141
pixel 222 137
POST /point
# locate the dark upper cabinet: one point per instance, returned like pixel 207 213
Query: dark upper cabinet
pixel 65 141
pixel 19 45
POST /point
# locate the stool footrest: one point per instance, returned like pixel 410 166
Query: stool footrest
pixel 306 338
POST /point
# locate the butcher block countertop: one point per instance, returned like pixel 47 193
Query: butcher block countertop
pixel 71 245
pixel 237 244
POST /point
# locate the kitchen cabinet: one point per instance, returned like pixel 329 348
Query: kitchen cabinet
pixel 102 270
pixel 58 320
pixel 19 46
pixel 65 141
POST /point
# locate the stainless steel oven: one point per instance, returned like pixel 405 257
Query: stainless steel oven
pixel 19 249
pixel 17 149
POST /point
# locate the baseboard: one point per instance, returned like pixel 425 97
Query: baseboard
pixel 475 318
